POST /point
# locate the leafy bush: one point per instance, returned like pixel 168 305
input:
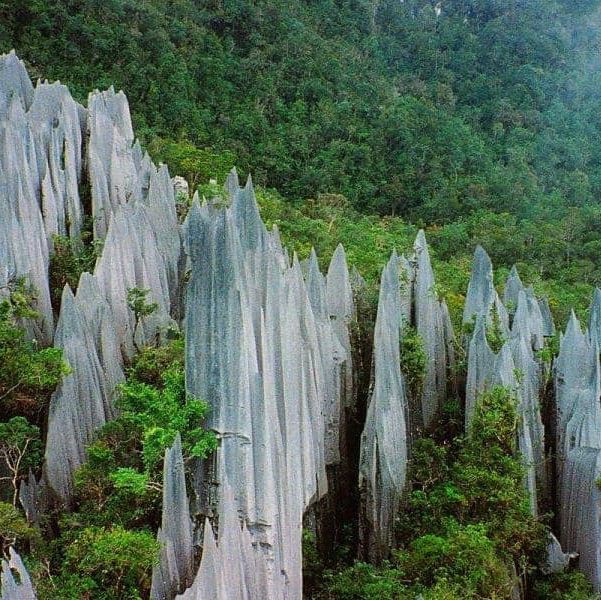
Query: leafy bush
pixel 466 520
pixel 413 360
pixel 20 450
pixel 14 529
pixel 70 258
pixel 117 560
pixel 28 374
pixel 123 471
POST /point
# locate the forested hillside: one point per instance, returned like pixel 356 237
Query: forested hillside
pixel 479 115
pixel 408 412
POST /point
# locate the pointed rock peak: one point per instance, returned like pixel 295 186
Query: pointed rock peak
pixel 176 448
pixel 573 328
pixel 420 241
pixel 313 263
pixel 67 298
pixel 232 183
pixel 481 255
pixel 14 80
pixel 87 286
pixel 338 265
pixel 596 303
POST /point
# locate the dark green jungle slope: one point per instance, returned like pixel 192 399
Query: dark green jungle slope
pixel 360 122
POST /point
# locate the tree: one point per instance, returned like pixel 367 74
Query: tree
pixel 20 450
pixel 118 560
pixel 14 528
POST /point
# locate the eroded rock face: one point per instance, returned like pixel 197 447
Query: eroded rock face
pixel 580 510
pixel 430 325
pixel 515 366
pixel 11 588
pixel 261 349
pixel 578 442
pixel 383 462
pixel 231 567
pixel 83 401
pixel 175 571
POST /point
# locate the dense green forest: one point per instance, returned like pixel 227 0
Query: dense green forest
pixel 476 118
pixel 360 121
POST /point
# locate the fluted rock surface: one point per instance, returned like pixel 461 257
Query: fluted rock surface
pixel 174 572
pixel 83 401
pixel 433 329
pixel 581 512
pixel 231 567
pixel 262 351
pixel 482 298
pixel 383 462
pixel 515 366
pixel 11 588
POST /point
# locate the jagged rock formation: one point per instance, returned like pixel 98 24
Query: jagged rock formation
pixel 482 298
pixel 82 402
pixel 269 347
pixel 578 442
pixel 514 366
pixel 433 326
pixel 580 510
pixel 383 463
pixel 262 351
pixel 407 297
pixel 231 567
pixel 11 588
pixel 175 571
pixel 45 140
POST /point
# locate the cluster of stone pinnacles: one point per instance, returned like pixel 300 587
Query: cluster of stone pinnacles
pixel 268 346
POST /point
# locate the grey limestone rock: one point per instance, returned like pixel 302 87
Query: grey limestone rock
pixel 11 588
pixel 480 292
pixel 174 573
pixel 112 158
pixel 383 461
pixel 513 287
pixel 14 83
pixel 262 350
pixel 580 503
pixel 431 328
pixel 81 404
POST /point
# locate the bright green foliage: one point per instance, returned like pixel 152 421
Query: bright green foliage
pixel 69 260
pixel 123 472
pixel 363 581
pixel 413 360
pixel 14 529
pixel 117 560
pixel 151 362
pixel 196 165
pixel 466 520
pixel 130 480
pixel 136 300
pixel 160 413
pixel 28 375
pixel 494 333
pixel 570 585
pixel 463 557
pixel 20 450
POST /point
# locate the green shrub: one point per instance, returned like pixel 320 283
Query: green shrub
pixel 20 450
pixel 14 529
pixel 69 260
pixel 117 560
pixel 413 360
